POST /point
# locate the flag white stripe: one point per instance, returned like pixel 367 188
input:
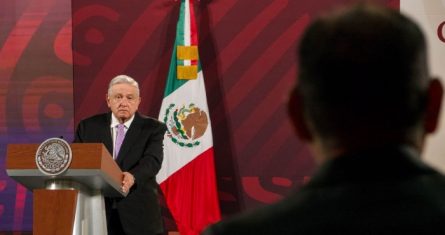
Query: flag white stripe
pixel 187 30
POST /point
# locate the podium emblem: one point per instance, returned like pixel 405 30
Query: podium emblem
pixel 53 156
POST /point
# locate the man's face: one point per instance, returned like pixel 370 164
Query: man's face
pixel 123 101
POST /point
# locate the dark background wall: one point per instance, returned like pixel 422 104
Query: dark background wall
pixel 247 50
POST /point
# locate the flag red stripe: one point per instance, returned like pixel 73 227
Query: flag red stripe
pixel 193 30
pixel 193 182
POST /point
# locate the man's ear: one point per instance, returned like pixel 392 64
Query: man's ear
pixel 107 98
pixel 296 113
pixel 434 102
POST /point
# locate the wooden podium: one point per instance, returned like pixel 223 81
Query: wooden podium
pixel 72 202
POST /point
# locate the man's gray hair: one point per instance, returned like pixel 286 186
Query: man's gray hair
pixel 123 79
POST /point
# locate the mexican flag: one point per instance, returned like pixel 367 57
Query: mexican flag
pixel 187 176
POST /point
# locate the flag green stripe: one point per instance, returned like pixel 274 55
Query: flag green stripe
pixel 173 82
pixel 180 26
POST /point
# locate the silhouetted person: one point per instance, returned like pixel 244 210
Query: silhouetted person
pixel 364 103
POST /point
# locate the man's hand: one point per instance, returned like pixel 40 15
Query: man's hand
pixel 127 182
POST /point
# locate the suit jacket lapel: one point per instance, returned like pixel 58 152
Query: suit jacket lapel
pixel 106 134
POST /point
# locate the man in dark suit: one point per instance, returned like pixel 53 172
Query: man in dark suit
pixel 136 144
pixel 364 103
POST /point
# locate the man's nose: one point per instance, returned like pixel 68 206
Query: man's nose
pixel 125 101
